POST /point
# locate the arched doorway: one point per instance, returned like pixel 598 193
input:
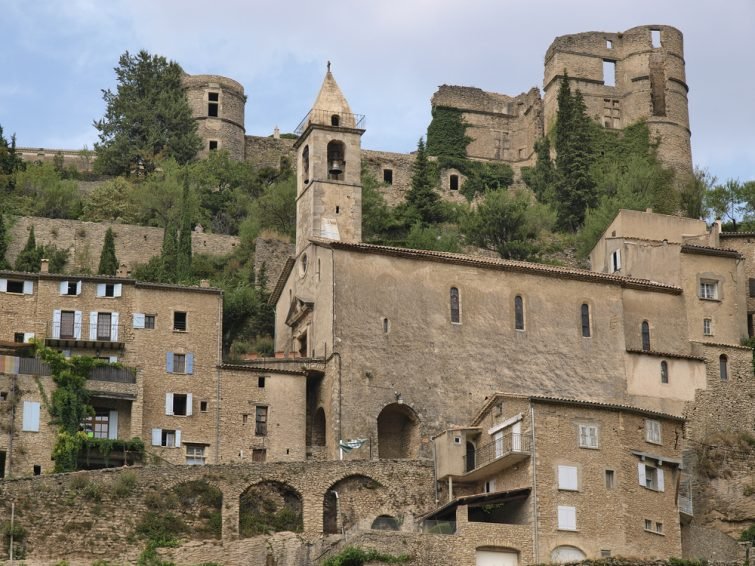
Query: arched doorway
pixel 344 502
pixel 318 428
pixel 269 507
pixel 398 432
pixel 565 553
pixel 470 461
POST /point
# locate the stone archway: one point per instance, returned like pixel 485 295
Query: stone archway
pixel 398 432
pixel 345 501
pixel 268 507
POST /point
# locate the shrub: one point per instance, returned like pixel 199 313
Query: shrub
pixel 353 556
pixel 124 485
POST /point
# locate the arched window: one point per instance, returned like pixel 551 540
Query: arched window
pixel 585 320
pixel 723 367
pixel 518 313
pixel 305 163
pixel 335 120
pixel 455 307
pixel 645 336
pixel 471 452
pixel 336 160
pixel 664 371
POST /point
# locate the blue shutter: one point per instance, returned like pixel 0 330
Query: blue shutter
pixel 169 362
pixel 189 363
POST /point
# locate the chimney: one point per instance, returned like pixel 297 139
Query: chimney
pixel 44 266
pixel 204 283
pixel 276 133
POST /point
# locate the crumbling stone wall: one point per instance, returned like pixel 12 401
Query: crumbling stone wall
pixel 83 240
pixel 273 254
pixel 265 151
pixel 84 516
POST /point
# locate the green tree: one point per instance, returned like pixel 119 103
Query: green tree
pixel 111 202
pixel 55 257
pixel 29 258
pixel 10 161
pixel 725 201
pixel 436 237
pixel 275 210
pixel 146 118
pixel 422 200
pixel 41 191
pixel 379 223
pixel 108 260
pixel 575 190
pixel 508 223
pixel 183 254
pixel 542 178
pixel 169 253
pixel 3 243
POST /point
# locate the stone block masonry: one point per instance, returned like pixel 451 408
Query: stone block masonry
pixel 133 244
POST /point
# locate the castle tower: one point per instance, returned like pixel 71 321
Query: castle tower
pixel 624 78
pixel 217 104
pixel 328 185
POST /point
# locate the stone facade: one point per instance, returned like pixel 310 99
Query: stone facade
pixel 134 245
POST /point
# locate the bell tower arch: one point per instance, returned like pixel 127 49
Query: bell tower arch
pixel 329 168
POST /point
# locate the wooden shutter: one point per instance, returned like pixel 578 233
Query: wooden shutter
pixel 112 430
pixel 169 403
pixel 93 325
pixel 157 437
pixel 169 362
pixel 56 323
pixel 567 518
pixel 659 477
pixel 64 287
pixel 567 478
pixel 117 289
pixel 77 325
pixel 78 287
pixel 31 416
pixel 189 363
pixel 114 326
pixel 100 289
pixel 188 404
pixel 3 285
pixel 28 287
pixel 641 474
pixel 178 439
pixel 138 320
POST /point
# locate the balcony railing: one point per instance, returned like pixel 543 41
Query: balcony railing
pixel 330 118
pixel 79 331
pixel 34 366
pixel 513 443
pixel 435 527
pixel 685 505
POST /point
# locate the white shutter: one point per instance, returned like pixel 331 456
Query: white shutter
pixel 188 405
pixel 3 285
pixel 157 437
pixel 178 439
pixel 117 289
pixel 169 403
pixel 113 326
pixel 28 337
pixel 641 474
pixel 31 416
pixel 28 287
pixel 113 359
pixel 618 259
pixel 567 518
pixel 56 323
pixel 112 430
pixel 659 476
pixel 100 289
pixel 567 478
pixel 64 287
pixel 78 287
pixel 93 325
pixel 138 320
pixel 77 325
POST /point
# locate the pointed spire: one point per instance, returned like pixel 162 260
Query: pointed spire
pixel 331 102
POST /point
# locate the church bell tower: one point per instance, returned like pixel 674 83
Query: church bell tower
pixel 329 166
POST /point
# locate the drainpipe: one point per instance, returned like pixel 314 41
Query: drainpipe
pixel 12 423
pixel 435 474
pixel 218 374
pixel 533 463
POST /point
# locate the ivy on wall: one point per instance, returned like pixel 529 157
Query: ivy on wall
pixel 446 134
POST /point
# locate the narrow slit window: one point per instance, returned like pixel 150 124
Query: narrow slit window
pixel 453 182
pixel 518 313
pixel 586 320
pixel 723 367
pixel 645 336
pixel 655 38
pixel 609 72
pixel 388 176
pixel 664 371
pixel 609 44
pixel 455 306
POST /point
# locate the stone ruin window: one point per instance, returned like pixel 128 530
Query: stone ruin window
pixel 453 182
pixel 609 72
pixel 213 104
pixel 388 176
pixel 260 420
pixel 213 145
pixel 655 38
pixel 609 44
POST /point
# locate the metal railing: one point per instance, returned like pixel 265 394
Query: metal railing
pixel 35 366
pixel 87 332
pixel 330 118
pixel 508 444
pixel 685 505
pixel 433 527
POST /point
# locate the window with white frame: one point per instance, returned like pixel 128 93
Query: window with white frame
pixel 568 478
pixel 615 261
pixel 166 438
pixel 70 288
pixel 652 431
pixel 707 327
pixel 31 416
pixel 195 454
pixel 16 286
pixel 567 518
pixel 650 476
pixel 179 404
pixel 109 289
pixel 708 289
pixel 179 363
pixel 588 436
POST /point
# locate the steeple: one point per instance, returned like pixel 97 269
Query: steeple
pixel 329 192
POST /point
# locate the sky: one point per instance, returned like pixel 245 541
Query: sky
pixel 388 56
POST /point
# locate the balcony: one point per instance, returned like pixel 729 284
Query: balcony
pixel 333 119
pixel 34 366
pixel 495 456
pixel 75 334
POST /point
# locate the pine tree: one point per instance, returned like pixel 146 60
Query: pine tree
pixel 183 260
pixel 29 259
pixel 3 244
pixel 108 260
pixel 169 253
pixel 423 202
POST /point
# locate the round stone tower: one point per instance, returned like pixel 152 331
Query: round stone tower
pixel 626 77
pixel 217 104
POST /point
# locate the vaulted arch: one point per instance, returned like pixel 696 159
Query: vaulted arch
pixel 398 432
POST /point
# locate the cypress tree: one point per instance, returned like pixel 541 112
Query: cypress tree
pixel 3 244
pixel 108 260
pixel 422 199
pixel 183 260
pixel 29 259
pixel 169 254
